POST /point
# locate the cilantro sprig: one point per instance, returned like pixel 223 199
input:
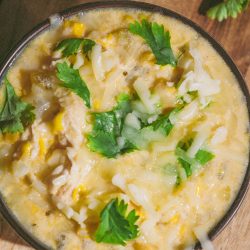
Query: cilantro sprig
pixel 107 129
pixel 72 80
pixel 115 226
pixel 158 40
pixel 71 46
pixel 223 9
pixel 15 114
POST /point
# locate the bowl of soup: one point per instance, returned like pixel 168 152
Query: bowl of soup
pixel 123 125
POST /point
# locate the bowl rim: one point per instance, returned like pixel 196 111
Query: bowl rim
pixel 14 53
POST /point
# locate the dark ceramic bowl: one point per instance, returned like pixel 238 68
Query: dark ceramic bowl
pixel 17 50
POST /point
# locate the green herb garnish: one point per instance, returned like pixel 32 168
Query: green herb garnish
pixel 163 123
pixel 185 161
pixel 158 40
pixel 227 8
pixel 188 163
pixel 71 46
pixel 115 226
pixel 72 80
pixel 186 166
pixel 107 129
pixel 203 156
pixel 15 114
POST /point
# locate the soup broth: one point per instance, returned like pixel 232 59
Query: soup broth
pixel 118 118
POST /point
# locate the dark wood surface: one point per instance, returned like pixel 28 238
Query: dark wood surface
pixel 18 17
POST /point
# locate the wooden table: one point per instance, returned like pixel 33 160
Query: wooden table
pixel 19 16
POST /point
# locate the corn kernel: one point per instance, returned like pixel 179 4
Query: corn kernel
pixel 77 192
pixel 96 104
pixel 26 149
pixel 42 147
pixel 174 219
pixel 58 122
pixel 78 29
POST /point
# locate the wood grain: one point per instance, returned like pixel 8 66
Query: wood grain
pixel 18 16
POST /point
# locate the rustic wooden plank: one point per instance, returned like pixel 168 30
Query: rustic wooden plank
pixel 18 16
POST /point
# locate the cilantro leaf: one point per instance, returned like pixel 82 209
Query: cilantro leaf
pixel 72 80
pixel 107 129
pixel 115 226
pixel 158 40
pixel 71 46
pixel 15 114
pixel 186 166
pixel 188 163
pixel 206 5
pixel 185 144
pixel 184 160
pixel 102 139
pixel 226 9
pixel 163 123
pixel 87 45
pixel 203 156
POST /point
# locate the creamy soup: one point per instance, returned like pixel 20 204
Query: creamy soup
pixel 121 129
